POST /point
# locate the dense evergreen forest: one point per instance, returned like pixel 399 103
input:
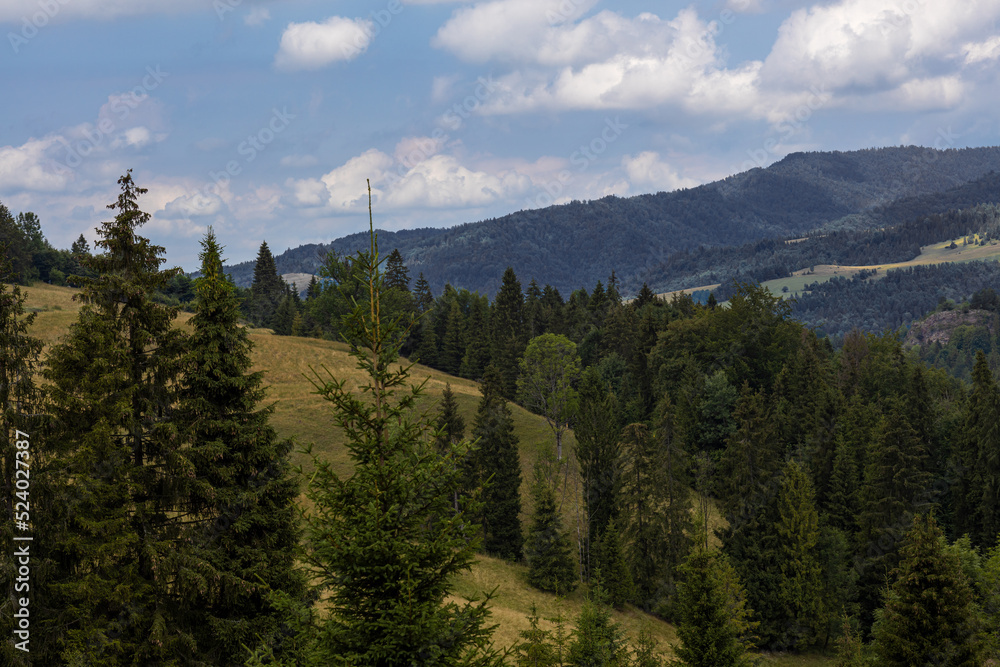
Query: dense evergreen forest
pixel 574 245
pixel 858 488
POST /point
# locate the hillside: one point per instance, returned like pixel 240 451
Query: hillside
pixel 576 244
pixel 303 415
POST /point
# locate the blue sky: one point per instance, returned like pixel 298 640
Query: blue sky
pixel 264 118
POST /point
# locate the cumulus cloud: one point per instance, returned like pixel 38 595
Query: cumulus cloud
pixel 29 167
pixel 905 56
pixel 417 175
pixel 647 170
pixel 313 45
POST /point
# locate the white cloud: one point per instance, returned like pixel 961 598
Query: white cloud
pixel 136 137
pixel 257 16
pixel 28 166
pixel 982 51
pixel 879 53
pixel 194 205
pixel 648 170
pixel 313 45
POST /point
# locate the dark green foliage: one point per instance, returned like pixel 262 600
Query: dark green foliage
pixel 397 276
pixel 615 573
pixel 598 641
pixel 599 455
pixel 113 469
pixel 477 351
pixel 449 424
pixel 982 428
pixel 551 565
pixel 422 295
pixel 801 575
pixel 509 334
pixel 283 321
pixel 383 543
pixel 499 466
pixel 893 491
pixel 646 654
pixel 713 619
pixel 537 649
pixel 19 353
pixel 454 342
pixel 241 518
pixel 928 617
pixel 267 289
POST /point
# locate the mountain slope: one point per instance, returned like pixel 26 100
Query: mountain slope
pixel 579 243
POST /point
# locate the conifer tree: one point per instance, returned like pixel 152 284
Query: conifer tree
pixel 422 295
pixel 982 427
pixel 615 573
pixel 713 617
pixel 450 424
pixel 643 509
pixel 842 500
pixel 893 491
pixel 500 467
pixel 283 320
pixel 19 353
pixel 598 453
pixel 241 512
pixel 382 545
pixel 267 290
pixel 397 276
pixel 112 466
pixel 509 335
pixel 928 617
pixel 537 649
pixel 477 351
pixel 547 548
pixel 674 494
pixel 798 533
pixel 598 641
pixel 454 342
pixel 644 297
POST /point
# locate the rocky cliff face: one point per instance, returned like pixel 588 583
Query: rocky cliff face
pixel 938 327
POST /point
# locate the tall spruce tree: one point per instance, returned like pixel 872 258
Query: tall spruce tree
pixel 551 565
pixel 500 468
pixel 713 620
pixel 675 494
pixel 477 350
pixel 382 544
pixel 19 353
pixel 982 434
pixel 422 295
pixel 267 290
pixel 397 276
pixel 929 617
pixel 894 490
pixel 509 334
pixel 598 641
pixel 112 466
pixel 598 452
pixel 241 512
pixel 798 532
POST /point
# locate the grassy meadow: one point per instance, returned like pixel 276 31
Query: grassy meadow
pixel 288 362
pixel 936 253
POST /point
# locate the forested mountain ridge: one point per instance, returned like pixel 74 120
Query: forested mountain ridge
pixel 576 244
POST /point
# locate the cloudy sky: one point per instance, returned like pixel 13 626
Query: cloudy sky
pixel 264 118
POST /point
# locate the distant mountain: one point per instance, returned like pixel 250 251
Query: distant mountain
pixel 576 244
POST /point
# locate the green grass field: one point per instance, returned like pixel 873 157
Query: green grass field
pixel 936 253
pixel 287 362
